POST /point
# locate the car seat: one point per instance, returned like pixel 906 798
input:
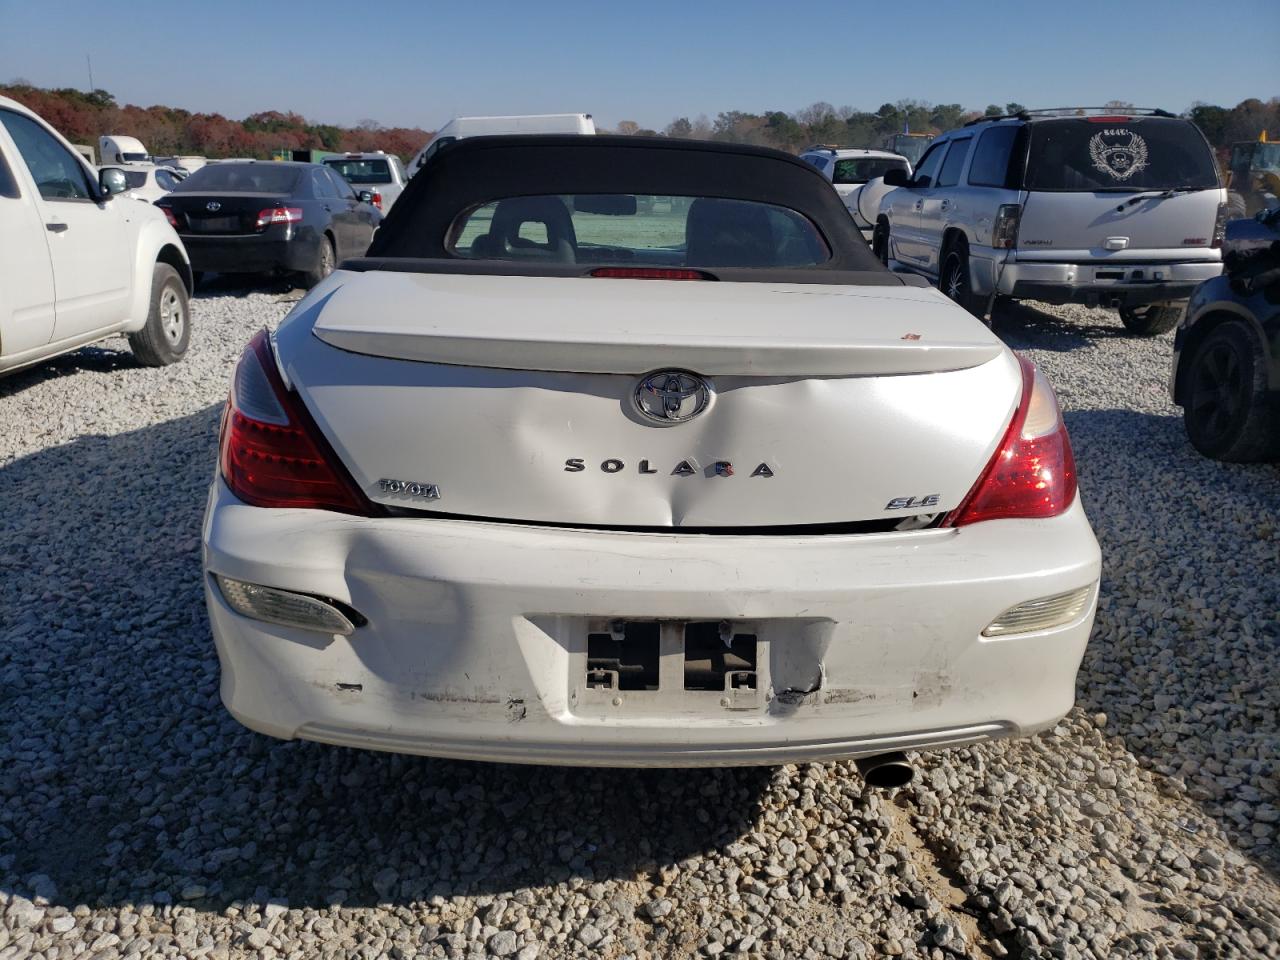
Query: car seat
pixel 503 241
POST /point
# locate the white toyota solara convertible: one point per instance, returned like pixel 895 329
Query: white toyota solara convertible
pixel 622 451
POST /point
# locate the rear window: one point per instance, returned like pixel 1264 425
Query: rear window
pixel 862 169
pixel 633 230
pixel 1138 153
pixel 240 178
pixel 362 171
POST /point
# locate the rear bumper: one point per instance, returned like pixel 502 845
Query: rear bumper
pixel 257 253
pixel 1105 284
pixel 475 645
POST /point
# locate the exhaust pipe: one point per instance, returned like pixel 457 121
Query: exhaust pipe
pixel 886 770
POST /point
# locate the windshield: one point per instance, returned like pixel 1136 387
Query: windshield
pixel 362 171
pixel 240 178
pixel 862 169
pixel 649 231
pixel 1118 153
pixel 1255 156
pixel 911 147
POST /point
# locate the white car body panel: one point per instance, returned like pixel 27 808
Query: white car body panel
pixel 100 256
pixel 477 634
pixel 553 323
pixel 948 389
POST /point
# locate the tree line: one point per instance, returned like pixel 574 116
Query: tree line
pixel 83 117
pixel 167 131
pixel 823 123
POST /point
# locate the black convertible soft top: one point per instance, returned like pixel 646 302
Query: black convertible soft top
pixel 479 170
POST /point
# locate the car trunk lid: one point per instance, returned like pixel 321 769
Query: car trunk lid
pixel 597 325
pixel 515 398
pixel 221 213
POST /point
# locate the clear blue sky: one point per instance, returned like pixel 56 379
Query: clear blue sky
pixel 418 63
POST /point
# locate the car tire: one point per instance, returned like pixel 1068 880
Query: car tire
pixel 880 241
pixel 1152 318
pixel 1228 411
pixel 325 259
pixel 167 333
pixel 954 279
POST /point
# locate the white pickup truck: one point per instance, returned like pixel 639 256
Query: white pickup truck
pixel 76 265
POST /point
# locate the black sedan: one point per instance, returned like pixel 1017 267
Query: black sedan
pixel 259 217
pixel 1226 354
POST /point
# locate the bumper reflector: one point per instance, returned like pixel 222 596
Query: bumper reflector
pixel 283 607
pixel 1041 613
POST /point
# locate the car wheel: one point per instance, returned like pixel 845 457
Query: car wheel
pixel 167 333
pixel 1228 411
pixel 324 264
pixel 1152 318
pixel 880 242
pixel 954 279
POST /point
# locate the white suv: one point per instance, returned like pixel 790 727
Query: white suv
pixel 849 169
pixel 1123 211
pixel 382 174
pixel 77 265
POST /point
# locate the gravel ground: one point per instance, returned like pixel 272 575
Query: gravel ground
pixel 137 819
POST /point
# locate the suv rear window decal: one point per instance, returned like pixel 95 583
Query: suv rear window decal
pixel 1121 160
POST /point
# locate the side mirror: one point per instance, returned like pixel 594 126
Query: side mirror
pixel 896 177
pixel 366 196
pixel 111 180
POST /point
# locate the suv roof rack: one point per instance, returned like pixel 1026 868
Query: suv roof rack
pixel 833 147
pixel 1046 112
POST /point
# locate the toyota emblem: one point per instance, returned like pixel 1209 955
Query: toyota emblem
pixel 213 206
pixel 669 397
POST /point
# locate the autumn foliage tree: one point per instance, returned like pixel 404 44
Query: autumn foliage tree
pixel 84 117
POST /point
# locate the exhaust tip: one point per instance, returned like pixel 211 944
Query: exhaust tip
pixel 886 771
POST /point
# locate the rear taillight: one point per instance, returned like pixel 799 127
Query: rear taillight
pixel 649 273
pixel 271 452
pixel 1004 233
pixel 1220 226
pixel 377 199
pixel 274 215
pixel 1033 473
pixel 170 216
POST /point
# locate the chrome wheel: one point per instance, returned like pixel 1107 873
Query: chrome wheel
pixel 955 287
pixel 326 258
pixel 173 316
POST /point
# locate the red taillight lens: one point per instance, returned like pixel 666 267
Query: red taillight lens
pixel 270 451
pixel 171 217
pixel 278 215
pixel 648 273
pixel 377 199
pixel 1004 233
pixel 1033 474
